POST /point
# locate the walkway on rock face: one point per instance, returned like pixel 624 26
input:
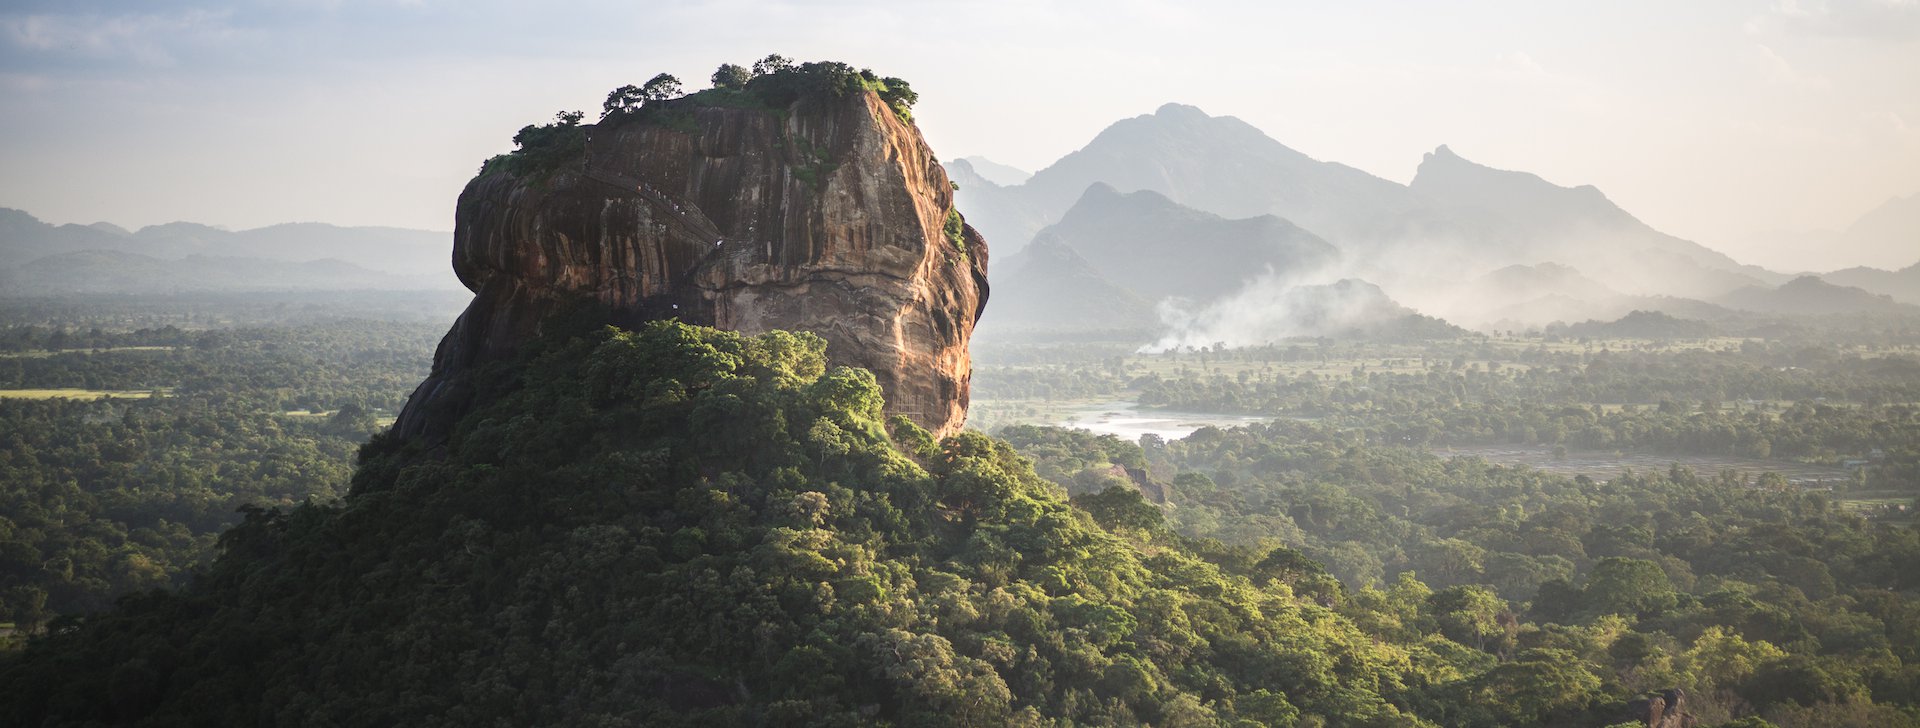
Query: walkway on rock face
pixel 688 215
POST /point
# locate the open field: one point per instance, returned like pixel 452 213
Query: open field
pixel 75 394
pixel 382 419
pixel 987 415
pixel 1878 502
pixel 1523 343
pixel 1604 465
pixel 1168 365
pixel 43 353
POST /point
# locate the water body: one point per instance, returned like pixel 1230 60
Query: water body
pixel 1127 420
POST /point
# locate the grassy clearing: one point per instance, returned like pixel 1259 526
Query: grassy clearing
pixel 1717 343
pixel 87 394
pixel 1861 501
pixel 1337 368
pixel 987 414
pixel 44 353
pixel 381 420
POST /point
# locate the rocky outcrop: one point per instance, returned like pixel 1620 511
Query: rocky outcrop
pixel 1663 709
pixel 830 215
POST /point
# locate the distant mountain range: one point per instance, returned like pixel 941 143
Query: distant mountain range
pixel 1180 210
pixel 1157 248
pixel 1050 287
pixel 995 172
pixel 1902 285
pixel 1112 255
pixel 115 272
pixel 1809 295
pixel 1887 236
pixel 1138 263
pixel 1641 325
pixel 1501 216
pixel 1220 165
pixel 37 258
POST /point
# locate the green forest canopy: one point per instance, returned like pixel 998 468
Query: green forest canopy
pixel 688 525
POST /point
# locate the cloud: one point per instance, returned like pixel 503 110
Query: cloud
pixel 23 82
pixel 1522 64
pixel 141 38
pixel 1783 72
pixel 1885 20
pixel 1275 307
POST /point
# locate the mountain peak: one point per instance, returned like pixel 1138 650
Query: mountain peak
pixel 1178 111
pixel 1219 164
pixel 10 217
pixel 1002 175
pixel 1443 160
pixel 1101 191
pixel 1105 200
pixel 1446 176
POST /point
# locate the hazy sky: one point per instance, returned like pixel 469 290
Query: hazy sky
pixel 1710 119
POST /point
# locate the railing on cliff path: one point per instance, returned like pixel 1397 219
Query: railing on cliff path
pixel 688 215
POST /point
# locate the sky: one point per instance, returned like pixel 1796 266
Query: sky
pixel 1722 121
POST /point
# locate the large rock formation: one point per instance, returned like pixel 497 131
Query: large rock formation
pixel 829 215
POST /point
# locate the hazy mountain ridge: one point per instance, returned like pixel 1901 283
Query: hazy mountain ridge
pixel 1903 285
pixel 995 172
pixel 1132 261
pixel 1456 221
pixel 1641 325
pixel 1886 237
pixel 1158 248
pixel 1532 295
pixel 1215 164
pixel 1529 296
pixel 117 272
pixel 1889 233
pixel 1048 286
pixel 1526 216
pixel 1809 295
pixel 183 256
pixel 1001 214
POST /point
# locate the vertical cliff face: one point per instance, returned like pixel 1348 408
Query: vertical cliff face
pixel 831 215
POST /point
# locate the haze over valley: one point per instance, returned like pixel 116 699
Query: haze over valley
pixel 38 259
pixel 1183 228
pixel 1226 235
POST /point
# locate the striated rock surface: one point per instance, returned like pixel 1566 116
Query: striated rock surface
pixel 1663 709
pixel 831 215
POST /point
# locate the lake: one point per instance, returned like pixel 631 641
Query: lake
pixel 1128 420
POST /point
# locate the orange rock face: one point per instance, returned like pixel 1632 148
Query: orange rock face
pixel 828 217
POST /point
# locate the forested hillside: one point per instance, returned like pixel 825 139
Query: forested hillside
pixel 125 453
pixel 1751 597
pixel 690 526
